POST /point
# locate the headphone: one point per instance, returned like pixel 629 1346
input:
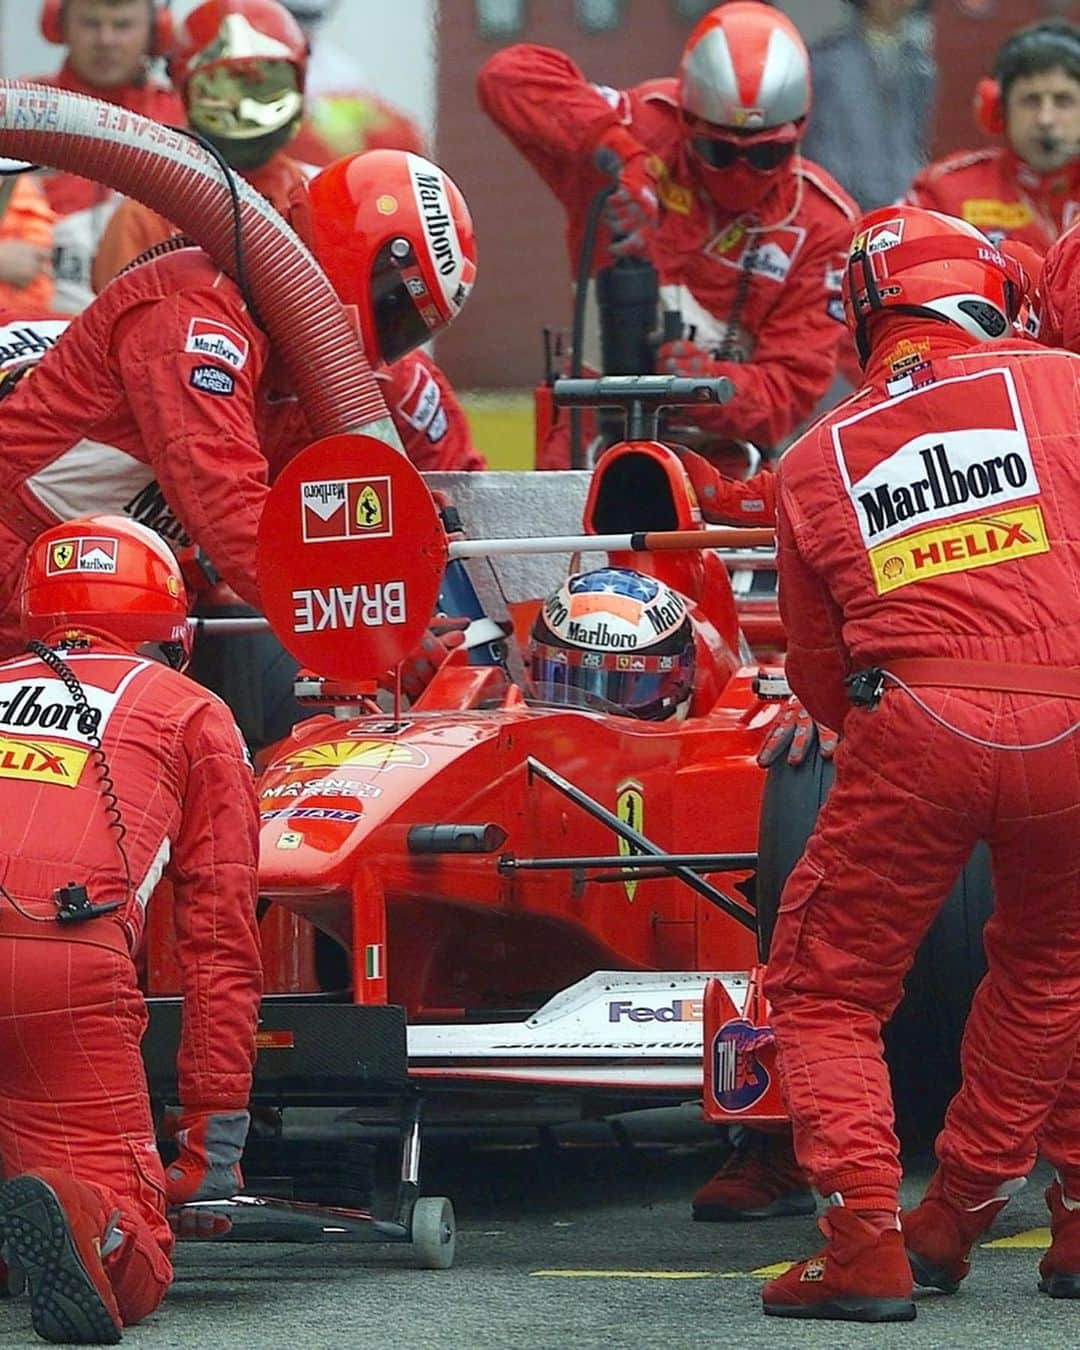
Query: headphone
pixel 161 30
pixel 989 105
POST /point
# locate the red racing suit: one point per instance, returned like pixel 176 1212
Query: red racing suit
pixel 83 207
pixel 73 1090
pixel 1001 195
pixel 936 515
pixel 166 403
pixel 1058 300
pixel 763 288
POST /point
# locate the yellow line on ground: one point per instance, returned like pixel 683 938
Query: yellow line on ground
pixel 1034 1237
pixel 765 1272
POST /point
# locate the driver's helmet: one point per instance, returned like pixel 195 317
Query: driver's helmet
pixel 109 576
pixel 240 67
pixel 614 641
pixel 394 235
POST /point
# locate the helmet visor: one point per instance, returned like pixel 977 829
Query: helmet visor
pixel 396 289
pixel 646 687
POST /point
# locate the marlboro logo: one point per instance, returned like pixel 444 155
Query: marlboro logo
pixel 346 508
pixel 81 555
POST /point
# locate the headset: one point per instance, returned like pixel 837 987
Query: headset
pixel 1051 35
pixel 161 31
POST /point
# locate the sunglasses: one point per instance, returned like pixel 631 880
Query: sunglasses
pixel 762 155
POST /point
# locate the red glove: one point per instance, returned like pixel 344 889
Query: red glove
pixel 632 212
pixel 208 1165
pixel 794 732
pixel 685 358
pixel 418 669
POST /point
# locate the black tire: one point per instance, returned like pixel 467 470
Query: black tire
pixel 922 1042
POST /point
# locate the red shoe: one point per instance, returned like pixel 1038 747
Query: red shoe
pixel 50 1229
pixel 862 1275
pixel 760 1180
pixel 1059 1270
pixel 939 1234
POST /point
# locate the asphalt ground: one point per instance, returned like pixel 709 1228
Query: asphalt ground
pixel 576 1241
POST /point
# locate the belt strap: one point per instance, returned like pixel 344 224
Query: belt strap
pixel 1006 677
pixel 104 932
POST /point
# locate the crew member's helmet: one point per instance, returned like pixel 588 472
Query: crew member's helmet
pixel 614 641
pixel 106 576
pixel 392 232
pixel 906 260
pixel 744 92
pixel 240 67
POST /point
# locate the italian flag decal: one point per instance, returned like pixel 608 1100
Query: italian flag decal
pixel 373 960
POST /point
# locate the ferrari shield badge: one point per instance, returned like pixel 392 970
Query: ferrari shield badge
pixel 630 808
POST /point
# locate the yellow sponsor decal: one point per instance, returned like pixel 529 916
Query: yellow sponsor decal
pixel 42 761
pixel 728 240
pixel 958 547
pixel 673 196
pixel 630 808
pixel 989 211
pixel 369 754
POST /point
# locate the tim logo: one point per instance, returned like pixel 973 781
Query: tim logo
pixel 346 508
pixel 739 1079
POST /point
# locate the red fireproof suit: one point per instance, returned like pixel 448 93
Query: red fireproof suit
pixel 83 207
pixel 764 289
pixel 73 1090
pixel 1001 195
pixel 935 518
pixel 165 402
pixel 1058 301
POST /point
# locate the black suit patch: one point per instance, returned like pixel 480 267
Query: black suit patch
pixel 212 380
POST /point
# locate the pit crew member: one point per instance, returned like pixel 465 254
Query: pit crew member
pixel 117 770
pixel 748 238
pixel 240 67
pixel 26 236
pixel 109 44
pixel 167 388
pixel 1028 187
pixel 929 584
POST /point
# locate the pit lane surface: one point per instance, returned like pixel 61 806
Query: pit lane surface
pixel 575 1243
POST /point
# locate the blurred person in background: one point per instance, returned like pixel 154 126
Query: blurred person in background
pixel 873 99
pixel 240 67
pixel 748 238
pixel 26 242
pixel 109 47
pixel 1028 187
pixel 342 116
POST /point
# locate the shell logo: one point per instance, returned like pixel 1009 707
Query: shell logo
pixel 357 755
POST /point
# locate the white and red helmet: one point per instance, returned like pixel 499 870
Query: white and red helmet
pixel 746 69
pixel 394 235
pixel 907 260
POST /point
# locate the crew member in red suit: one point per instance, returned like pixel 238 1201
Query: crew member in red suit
pixel 109 43
pixel 747 237
pixel 119 771
pixel 240 66
pixel 165 401
pixel 930 588
pixel 1027 188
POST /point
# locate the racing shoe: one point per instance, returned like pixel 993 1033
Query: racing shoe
pixel 760 1180
pixel 940 1232
pixel 1059 1270
pixel 51 1230
pixel 861 1275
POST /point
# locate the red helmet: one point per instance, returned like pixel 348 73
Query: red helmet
pixel 905 260
pixel 240 66
pixel 744 90
pixel 395 237
pixel 106 575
